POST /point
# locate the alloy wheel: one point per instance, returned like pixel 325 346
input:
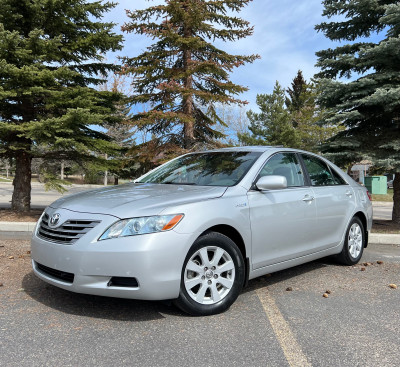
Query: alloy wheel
pixel 209 275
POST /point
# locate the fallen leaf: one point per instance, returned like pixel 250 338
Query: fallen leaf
pixel 20 256
pixel 362 269
pixel 1 284
pixel 289 289
pixel 328 291
pixel 325 295
pixel 379 262
pixel 11 257
pixel 21 290
pixel 28 252
pixel 393 286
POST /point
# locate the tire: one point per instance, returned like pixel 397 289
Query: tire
pixel 212 276
pixel 354 243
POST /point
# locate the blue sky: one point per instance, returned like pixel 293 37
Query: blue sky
pixel 284 37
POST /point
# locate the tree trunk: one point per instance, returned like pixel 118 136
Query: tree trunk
pixel 21 197
pixel 115 180
pixel 105 173
pixel 188 130
pixel 396 199
pixel 62 170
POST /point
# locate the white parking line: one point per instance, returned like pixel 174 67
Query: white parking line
pixel 284 335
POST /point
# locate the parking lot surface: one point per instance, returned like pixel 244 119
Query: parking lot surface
pixel 279 320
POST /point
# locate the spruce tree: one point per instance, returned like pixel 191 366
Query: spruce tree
pixel 50 57
pixel 368 106
pixel 292 120
pixel 272 125
pixel 183 76
pixel 296 93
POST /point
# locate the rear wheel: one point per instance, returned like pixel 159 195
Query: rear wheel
pixel 354 243
pixel 212 276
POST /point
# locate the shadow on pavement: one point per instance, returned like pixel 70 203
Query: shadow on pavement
pixel 283 275
pixel 136 310
pixel 94 306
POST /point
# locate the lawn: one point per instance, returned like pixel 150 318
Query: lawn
pixel 387 197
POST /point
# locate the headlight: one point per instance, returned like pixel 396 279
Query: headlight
pixel 141 225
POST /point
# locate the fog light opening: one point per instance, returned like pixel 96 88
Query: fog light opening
pixel 126 282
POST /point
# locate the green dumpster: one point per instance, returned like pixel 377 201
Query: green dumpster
pixel 376 184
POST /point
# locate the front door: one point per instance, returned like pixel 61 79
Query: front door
pixel 282 221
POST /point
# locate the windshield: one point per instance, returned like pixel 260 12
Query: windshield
pixel 204 169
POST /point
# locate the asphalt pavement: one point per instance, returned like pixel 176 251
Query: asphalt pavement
pixel 356 325
pixel 40 198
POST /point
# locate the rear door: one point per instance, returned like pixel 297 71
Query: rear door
pixel 282 221
pixel 334 198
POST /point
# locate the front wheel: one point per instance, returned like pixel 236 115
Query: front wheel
pixel 212 276
pixel 354 243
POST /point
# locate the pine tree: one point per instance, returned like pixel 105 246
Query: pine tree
pixel 296 99
pixel 272 126
pixel 292 121
pixel 183 75
pixel 50 56
pixel 368 106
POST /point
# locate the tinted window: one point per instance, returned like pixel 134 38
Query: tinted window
pixel 284 164
pixel 204 169
pixel 319 172
pixel 338 179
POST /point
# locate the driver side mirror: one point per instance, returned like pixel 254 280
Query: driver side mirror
pixel 271 183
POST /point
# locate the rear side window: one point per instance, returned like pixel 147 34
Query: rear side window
pixel 338 179
pixel 287 165
pixel 320 174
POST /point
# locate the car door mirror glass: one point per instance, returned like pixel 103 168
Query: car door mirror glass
pixel 272 182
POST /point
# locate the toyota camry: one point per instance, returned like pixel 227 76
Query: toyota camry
pixel 197 228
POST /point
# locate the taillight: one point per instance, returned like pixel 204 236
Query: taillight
pixel 369 196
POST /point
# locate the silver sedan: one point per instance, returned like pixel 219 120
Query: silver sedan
pixel 197 228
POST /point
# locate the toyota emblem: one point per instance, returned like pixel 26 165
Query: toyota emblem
pixel 54 219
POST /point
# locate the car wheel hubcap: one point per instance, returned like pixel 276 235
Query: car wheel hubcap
pixel 355 240
pixel 209 275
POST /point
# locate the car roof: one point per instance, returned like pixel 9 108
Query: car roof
pixel 255 148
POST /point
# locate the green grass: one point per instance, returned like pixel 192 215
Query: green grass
pixel 4 179
pixel 388 197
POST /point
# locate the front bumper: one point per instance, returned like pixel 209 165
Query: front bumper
pixel 155 260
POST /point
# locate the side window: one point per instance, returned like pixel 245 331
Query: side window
pixel 284 164
pixel 338 179
pixel 319 172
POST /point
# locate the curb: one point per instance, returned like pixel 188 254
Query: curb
pixel 17 226
pixel 28 227
pixel 384 239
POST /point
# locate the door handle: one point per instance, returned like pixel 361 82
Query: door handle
pixel 349 193
pixel 308 198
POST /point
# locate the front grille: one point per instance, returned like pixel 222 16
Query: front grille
pixel 58 274
pixel 68 233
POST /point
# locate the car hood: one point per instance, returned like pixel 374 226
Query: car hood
pixel 136 199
